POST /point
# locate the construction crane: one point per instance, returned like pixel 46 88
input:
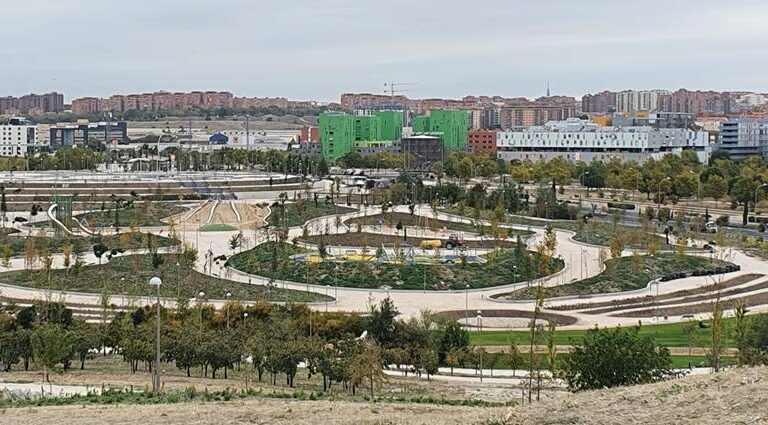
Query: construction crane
pixel 393 88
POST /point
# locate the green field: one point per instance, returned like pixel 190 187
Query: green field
pixel 622 274
pixel 666 335
pixel 297 213
pixel 129 275
pixel 217 227
pixel 504 267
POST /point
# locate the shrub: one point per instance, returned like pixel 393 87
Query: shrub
pixel 614 357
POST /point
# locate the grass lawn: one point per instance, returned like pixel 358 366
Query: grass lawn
pixel 665 334
pixel 622 274
pixel 500 270
pixel 139 214
pixel 392 218
pixel 217 227
pixel 298 213
pixel 594 232
pixel 129 275
pixel 18 244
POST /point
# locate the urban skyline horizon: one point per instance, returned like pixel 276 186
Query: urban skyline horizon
pixel 409 94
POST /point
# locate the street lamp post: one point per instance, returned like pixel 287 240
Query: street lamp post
pixel 326 298
pixel 466 306
pixel 156 282
pixel 479 336
pixel 228 295
pixel 200 298
pixel 757 189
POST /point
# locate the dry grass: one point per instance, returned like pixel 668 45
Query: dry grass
pixel 735 397
pixel 251 412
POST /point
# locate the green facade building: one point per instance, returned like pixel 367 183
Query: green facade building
pixel 390 125
pixel 336 134
pixel 451 124
pixel 340 133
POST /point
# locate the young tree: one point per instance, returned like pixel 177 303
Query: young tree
pixel 515 358
pixel 741 331
pixel 717 336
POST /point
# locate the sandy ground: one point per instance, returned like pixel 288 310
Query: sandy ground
pixel 735 397
pixel 253 412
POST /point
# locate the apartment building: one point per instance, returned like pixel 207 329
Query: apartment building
pixel 580 140
pixel 482 141
pixel 16 135
pixel 742 138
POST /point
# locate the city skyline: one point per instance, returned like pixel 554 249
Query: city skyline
pixel 316 50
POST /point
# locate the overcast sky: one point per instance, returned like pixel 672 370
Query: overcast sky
pixel 317 49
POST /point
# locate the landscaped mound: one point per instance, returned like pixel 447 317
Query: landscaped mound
pixel 623 274
pixel 503 268
pixel 129 275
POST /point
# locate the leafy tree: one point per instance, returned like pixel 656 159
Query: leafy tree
pixel 381 321
pixel 51 345
pixel 453 337
pixel 715 187
pixel 615 357
pixel 743 190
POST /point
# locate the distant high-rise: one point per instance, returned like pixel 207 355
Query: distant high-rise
pixel 32 104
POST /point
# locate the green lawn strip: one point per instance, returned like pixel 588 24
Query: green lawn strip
pixel 500 361
pixel 504 267
pixel 217 227
pixel 55 244
pixel 129 275
pixel 413 220
pixel 299 212
pixel 622 274
pixel 665 334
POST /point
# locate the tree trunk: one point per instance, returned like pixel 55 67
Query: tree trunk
pixel 745 215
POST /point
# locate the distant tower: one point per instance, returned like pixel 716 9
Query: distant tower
pixel 547 88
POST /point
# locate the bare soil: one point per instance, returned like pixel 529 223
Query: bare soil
pixel 737 396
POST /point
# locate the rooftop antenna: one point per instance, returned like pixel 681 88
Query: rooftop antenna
pixel 547 88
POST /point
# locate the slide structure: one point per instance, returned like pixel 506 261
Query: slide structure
pixel 52 217
pixel 234 209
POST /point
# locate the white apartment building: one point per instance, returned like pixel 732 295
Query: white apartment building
pixel 638 100
pixel 15 136
pixel 581 140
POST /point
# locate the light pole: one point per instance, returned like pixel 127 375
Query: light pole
pixel 479 336
pixel 156 282
pixel 581 181
pixel 200 298
pixel 466 306
pixel 228 295
pixel 757 189
pixel 326 298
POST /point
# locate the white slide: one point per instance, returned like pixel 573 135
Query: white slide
pixel 52 216
pixel 234 209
